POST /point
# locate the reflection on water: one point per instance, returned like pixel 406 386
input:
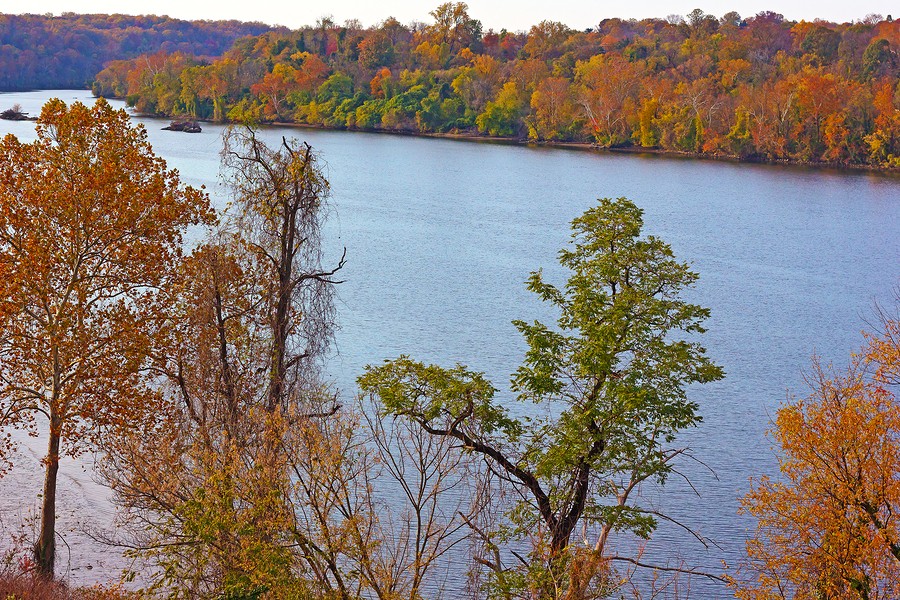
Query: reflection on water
pixel 441 235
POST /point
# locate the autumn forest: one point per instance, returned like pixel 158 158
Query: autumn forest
pixel 182 346
pixel 758 88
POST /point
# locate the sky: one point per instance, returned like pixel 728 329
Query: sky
pixel 513 15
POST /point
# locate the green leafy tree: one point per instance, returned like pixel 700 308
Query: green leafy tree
pixel 503 116
pixel 878 59
pixel 440 110
pixel 821 42
pixel 611 376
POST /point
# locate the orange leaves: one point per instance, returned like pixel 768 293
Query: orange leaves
pixel 608 88
pixel 276 85
pixel 92 221
pixel 312 71
pixel 554 110
pixel 91 225
pixel 380 83
pixel 884 352
pixel 824 101
pixel 828 527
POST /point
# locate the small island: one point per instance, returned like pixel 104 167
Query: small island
pixel 15 114
pixel 186 126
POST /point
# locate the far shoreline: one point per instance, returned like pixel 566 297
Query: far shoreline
pixel 560 145
pixel 512 141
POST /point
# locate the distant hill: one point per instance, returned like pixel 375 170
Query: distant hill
pixel 67 51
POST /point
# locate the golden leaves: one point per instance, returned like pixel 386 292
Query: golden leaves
pixel 828 527
pixel 91 226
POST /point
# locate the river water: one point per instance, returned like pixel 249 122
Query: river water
pixel 441 234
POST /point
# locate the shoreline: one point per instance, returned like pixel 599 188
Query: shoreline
pixel 563 145
pixel 585 147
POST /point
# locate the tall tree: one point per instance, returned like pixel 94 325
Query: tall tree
pixel 554 111
pixel 91 221
pixel 454 27
pixel 280 194
pixel 607 92
pixel 612 374
pixel 248 425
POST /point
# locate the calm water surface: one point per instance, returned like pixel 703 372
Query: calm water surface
pixel 441 234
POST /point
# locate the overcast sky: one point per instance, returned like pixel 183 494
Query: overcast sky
pixel 510 14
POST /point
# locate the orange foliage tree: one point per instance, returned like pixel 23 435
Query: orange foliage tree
pixel 828 528
pixel 554 115
pixel 275 87
pixel 91 221
pixel 608 91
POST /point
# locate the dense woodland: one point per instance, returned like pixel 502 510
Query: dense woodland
pixel 758 87
pixel 67 51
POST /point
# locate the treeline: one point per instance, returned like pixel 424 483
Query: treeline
pixel 38 51
pixel 755 88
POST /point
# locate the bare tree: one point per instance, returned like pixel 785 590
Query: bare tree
pixel 208 486
pixel 280 196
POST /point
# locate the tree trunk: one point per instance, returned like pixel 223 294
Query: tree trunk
pixel 45 547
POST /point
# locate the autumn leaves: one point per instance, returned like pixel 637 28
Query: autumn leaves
pixel 185 371
pixel 760 88
pixel 90 227
pixel 828 526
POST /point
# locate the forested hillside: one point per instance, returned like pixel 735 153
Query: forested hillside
pixel 39 51
pixel 759 87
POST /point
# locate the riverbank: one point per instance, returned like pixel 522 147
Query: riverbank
pixel 28 585
pixel 584 147
pixel 468 136
pixel 471 136
pixel 565 145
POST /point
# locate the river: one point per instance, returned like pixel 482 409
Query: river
pixel 441 234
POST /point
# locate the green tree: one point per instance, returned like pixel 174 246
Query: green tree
pixel 878 59
pixel 503 116
pixel 821 42
pixel 612 374
pixel 478 83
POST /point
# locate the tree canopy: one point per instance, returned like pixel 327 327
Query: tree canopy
pixel 611 377
pixel 827 527
pixel 91 222
pixel 755 88
pixel 67 51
